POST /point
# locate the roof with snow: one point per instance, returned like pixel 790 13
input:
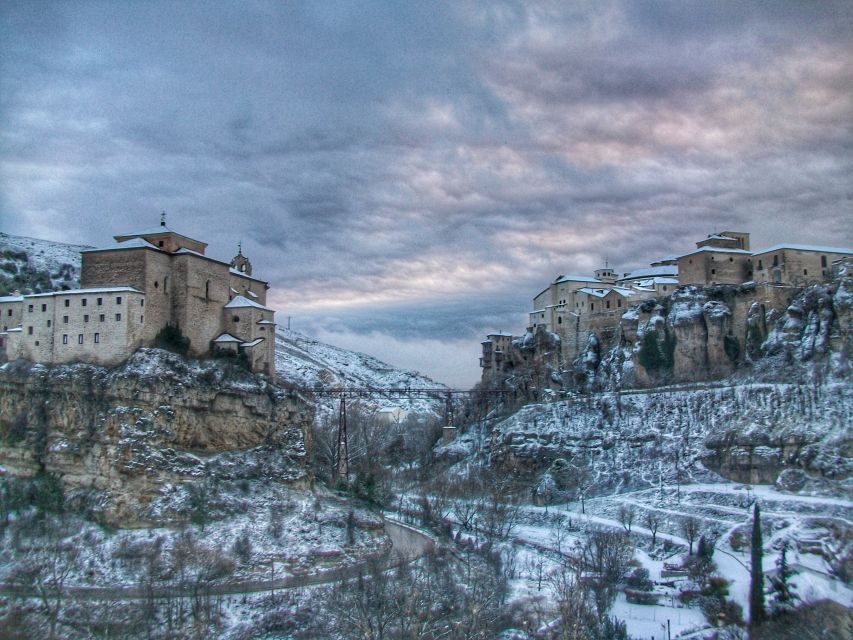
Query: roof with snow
pixel 82 292
pixel 227 337
pixel 602 293
pixel 241 302
pixel 265 322
pixel 135 243
pixel 649 272
pixel 805 247
pixel 11 298
pixel 715 250
pixel 253 343
pixel 157 231
pixel 573 278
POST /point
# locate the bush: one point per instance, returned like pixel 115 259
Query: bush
pixel 639 579
pixel 657 353
pixel 171 339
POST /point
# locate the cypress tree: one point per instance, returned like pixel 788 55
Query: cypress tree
pixel 757 613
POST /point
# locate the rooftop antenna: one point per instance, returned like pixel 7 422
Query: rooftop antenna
pixel 240 248
pixel 163 219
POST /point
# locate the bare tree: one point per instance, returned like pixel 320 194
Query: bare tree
pixel 627 513
pixel 652 521
pixel 690 527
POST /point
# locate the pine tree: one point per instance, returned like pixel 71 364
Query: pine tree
pixel 757 613
pixel 783 599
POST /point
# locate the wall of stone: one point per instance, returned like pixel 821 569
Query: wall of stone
pixel 202 289
pixel 795 267
pixel 714 268
pixel 242 284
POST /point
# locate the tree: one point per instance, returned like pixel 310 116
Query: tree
pixel 783 599
pixel 690 529
pixel 627 513
pixel 652 522
pixel 757 613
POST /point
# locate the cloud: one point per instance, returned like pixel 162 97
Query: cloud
pixel 421 171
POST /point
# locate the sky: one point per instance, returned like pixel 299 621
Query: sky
pixel 408 175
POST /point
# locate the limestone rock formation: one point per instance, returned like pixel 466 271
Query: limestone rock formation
pixel 124 438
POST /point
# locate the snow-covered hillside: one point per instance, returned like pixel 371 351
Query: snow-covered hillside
pixel 37 266
pixel 309 364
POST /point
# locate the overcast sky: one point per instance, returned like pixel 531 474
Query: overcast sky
pixel 408 175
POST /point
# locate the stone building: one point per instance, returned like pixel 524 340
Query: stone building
pixel 796 264
pixel 721 258
pixel 133 289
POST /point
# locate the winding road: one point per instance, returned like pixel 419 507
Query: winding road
pixel 407 544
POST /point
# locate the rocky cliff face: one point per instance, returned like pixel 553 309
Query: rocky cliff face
pixel 124 439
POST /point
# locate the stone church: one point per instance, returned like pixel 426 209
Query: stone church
pixel 131 290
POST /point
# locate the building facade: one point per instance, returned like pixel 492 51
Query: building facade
pixel 132 290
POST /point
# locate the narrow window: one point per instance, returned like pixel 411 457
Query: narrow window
pixel 30 308
pixel 592 306
pixel 559 321
pixel 618 303
pixel 759 265
pixel 156 285
pixel 823 261
pixel 86 318
pixel 48 323
pixel 64 319
pixel 44 307
pixel 805 272
pixel 79 338
pixel 608 304
pixel 97 338
pixel 83 302
pixel 207 290
pixel 775 261
pixel 37 343
pixel 30 330
pixel 713 271
pixel 64 338
pixel 142 303
pixel 141 319
pixel 102 317
pixel 118 299
pixel 100 302
pixel 118 317
pixel 68 303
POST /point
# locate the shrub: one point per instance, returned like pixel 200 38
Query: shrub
pixel 639 579
pixel 657 352
pixel 171 339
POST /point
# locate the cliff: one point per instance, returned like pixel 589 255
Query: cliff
pixel 124 440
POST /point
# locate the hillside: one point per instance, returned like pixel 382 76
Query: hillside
pixel 306 363
pixel 30 265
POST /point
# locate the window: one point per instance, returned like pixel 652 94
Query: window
pixel 79 338
pixel 237 318
pixel 759 265
pixel 83 302
pixel 207 290
pixel 713 271
pixel 775 261
pixel 48 323
pixel 559 321
pixel 37 343
pixel 64 319
pixel 592 306
pixel 141 319
pixel 64 338
pixel 608 304
pixel 664 287
pixel 102 317
pixel 29 331
pixel 805 272
pixel 156 285
pixel 618 303
pixel 8 312
pixel 86 318
pixel 30 308
pixel 142 303
pixel 731 259
pixel 100 302
pixel 118 317
pixel 118 299
pixel 97 338
pixel 823 261
pixel 160 243
pixel 44 307
pixel 68 303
